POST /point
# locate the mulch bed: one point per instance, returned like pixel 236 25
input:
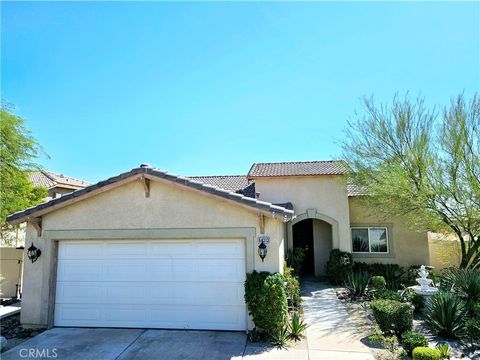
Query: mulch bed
pixel 10 327
pixel 359 312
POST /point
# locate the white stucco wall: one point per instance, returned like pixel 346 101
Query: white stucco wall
pixel 169 207
pixel 326 194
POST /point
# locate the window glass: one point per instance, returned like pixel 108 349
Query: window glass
pixel 378 240
pixel 360 240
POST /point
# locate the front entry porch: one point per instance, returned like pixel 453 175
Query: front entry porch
pixel 315 238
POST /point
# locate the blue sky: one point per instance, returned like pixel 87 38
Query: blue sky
pixel 210 88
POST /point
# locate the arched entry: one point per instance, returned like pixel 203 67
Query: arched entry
pixel 317 234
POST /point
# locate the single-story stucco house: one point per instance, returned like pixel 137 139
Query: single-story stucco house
pixel 151 249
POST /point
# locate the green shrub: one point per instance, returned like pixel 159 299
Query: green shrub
pixel 378 282
pixel 386 294
pixel 446 314
pixel 472 329
pixel 417 300
pixel 356 284
pixel 472 325
pixel 392 273
pixel 425 353
pixel 411 340
pixel 292 287
pixel 393 317
pixel 338 267
pixel 294 258
pixel 266 299
pixel 296 327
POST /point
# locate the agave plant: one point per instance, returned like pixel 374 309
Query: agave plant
pixel 445 351
pixel 357 283
pixel 296 327
pixel 467 284
pixel 281 338
pixel 446 314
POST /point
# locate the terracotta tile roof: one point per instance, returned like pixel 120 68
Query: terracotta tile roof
pixel 356 190
pixel 280 211
pixel 50 179
pixel 227 182
pixel 297 168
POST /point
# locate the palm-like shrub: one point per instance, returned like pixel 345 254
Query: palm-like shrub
pixel 357 283
pixel 467 286
pixel 446 314
pixel 296 327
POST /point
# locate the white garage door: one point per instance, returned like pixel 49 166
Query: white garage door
pixel 178 284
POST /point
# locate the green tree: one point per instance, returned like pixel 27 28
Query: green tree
pixel 421 164
pixel 18 151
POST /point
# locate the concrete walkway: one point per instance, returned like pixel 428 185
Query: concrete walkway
pixel 331 334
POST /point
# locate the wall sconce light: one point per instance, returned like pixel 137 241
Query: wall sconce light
pixel 33 253
pixel 262 246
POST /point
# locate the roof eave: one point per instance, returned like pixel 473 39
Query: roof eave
pixel 153 174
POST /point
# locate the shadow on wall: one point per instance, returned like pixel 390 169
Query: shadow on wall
pixel 444 251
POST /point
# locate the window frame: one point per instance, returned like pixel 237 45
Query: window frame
pixel 369 245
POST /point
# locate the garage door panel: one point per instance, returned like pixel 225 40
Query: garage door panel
pixel 65 313
pixel 121 271
pixel 231 270
pixel 79 270
pixel 185 284
pixel 72 293
pixel 129 250
pixel 175 250
pixel 75 250
pixel 224 250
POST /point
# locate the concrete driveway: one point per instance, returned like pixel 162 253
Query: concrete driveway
pixel 123 344
pixel 331 335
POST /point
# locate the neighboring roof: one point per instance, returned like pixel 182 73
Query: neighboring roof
pixel 50 179
pixel 153 173
pixel 227 182
pixel 297 168
pixel 236 183
pixel 356 190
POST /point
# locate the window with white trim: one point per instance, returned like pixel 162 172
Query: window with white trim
pixel 370 240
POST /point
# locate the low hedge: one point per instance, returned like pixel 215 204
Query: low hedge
pixel 425 353
pixel 386 294
pixel 392 273
pixel 412 340
pixel 393 317
pixel 266 298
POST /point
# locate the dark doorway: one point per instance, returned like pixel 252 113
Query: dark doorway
pixel 303 238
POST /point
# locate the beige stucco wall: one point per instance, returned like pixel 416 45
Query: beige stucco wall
pixel 170 207
pixel 11 270
pixel 326 194
pixel 444 251
pixel 406 247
